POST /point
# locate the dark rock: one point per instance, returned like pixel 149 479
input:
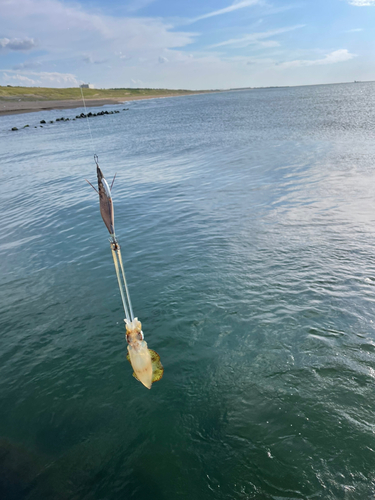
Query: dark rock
pixel 51 121
pixel 14 128
pixel 117 111
pixel 43 121
pixel 25 126
pixel 67 119
pixel 90 114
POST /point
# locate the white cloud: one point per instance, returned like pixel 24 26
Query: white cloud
pixel 260 61
pixel 334 57
pixel 123 57
pixel 23 80
pixel 28 65
pixel 256 38
pixel 65 29
pixel 17 43
pixel 362 3
pixel 136 83
pixel 58 78
pixel 69 33
pixel 91 60
pixel 138 5
pixel 235 6
pixel 42 78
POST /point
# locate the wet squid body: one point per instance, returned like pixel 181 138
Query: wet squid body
pixel 145 362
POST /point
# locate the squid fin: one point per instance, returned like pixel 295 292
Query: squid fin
pixel 157 367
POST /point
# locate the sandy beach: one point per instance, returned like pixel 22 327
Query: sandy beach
pixel 12 106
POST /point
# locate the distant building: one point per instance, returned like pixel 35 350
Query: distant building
pixel 87 86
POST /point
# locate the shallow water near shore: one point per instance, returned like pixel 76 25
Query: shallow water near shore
pixel 247 225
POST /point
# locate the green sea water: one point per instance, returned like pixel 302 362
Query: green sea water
pixel 247 226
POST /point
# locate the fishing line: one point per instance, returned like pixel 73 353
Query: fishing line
pixel 88 124
pixel 116 253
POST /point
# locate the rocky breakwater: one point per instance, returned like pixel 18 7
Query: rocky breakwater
pixel 66 119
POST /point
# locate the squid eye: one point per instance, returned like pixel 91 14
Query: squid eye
pixel 140 335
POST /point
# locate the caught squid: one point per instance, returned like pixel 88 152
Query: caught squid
pixel 145 362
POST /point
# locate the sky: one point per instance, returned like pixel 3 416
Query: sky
pixel 194 44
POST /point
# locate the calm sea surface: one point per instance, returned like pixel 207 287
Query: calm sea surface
pixel 247 224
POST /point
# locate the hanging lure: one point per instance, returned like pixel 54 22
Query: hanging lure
pixel 145 362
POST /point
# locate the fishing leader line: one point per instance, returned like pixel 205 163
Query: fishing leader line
pixel 117 258
pixel 88 124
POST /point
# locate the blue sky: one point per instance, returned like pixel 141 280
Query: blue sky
pixel 186 44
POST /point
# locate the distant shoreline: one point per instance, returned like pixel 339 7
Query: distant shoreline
pixel 12 106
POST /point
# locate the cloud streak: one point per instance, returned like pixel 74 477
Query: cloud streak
pixel 256 38
pixel 40 78
pixel 362 3
pixel 226 10
pixel 334 57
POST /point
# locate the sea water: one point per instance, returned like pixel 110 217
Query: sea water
pixel 247 226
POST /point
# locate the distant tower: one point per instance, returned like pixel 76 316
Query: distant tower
pixel 87 86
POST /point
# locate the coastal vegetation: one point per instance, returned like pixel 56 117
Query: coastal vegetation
pixel 74 93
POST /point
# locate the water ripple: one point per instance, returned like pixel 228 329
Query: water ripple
pixel 247 230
